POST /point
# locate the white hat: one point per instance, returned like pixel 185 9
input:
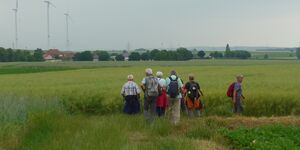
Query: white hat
pixel 130 77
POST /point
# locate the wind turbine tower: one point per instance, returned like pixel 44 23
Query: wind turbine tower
pixel 67 30
pixel 16 24
pixel 48 3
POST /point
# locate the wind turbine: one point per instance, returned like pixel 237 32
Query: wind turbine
pixel 16 24
pixel 67 29
pixel 48 3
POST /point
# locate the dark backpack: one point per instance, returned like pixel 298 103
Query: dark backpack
pixel 152 86
pixel 230 90
pixel 193 91
pixel 173 88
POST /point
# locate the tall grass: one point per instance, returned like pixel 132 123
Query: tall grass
pixel 14 114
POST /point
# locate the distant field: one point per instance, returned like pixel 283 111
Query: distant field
pixel 66 104
pixel 286 55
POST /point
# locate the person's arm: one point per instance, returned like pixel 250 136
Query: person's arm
pixel 143 87
pixel 138 91
pixel 234 96
pixel 243 96
pixel 201 93
pixel 180 85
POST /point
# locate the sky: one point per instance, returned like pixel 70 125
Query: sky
pixel 112 24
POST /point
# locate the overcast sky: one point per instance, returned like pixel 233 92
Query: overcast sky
pixel 111 24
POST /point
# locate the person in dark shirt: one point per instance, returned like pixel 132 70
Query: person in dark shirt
pixel 193 97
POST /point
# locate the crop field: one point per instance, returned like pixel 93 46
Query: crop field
pixel 77 105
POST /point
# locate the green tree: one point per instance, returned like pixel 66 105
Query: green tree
pixel 228 53
pixel 298 52
pixel 103 55
pixel 38 55
pixel 120 57
pixel 153 53
pixel 83 56
pixel 266 56
pixel 146 56
pixel 227 47
pixel 241 54
pixel 216 54
pixel 162 55
pixel 134 56
pixel 201 54
pixel 184 54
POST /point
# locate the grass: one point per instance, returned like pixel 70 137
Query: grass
pixel 78 105
pixel 266 137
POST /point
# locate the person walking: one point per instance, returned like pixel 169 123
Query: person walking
pixel 174 87
pixel 131 93
pixel 162 101
pixel 151 88
pixel 235 91
pixel 193 97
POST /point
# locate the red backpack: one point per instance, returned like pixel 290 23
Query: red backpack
pixel 230 90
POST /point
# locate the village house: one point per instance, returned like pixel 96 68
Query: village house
pixel 55 54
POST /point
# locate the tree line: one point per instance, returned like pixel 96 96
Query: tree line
pixel 180 54
pixel 10 55
pixel 298 52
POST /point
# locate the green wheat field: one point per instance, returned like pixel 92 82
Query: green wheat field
pixel 77 105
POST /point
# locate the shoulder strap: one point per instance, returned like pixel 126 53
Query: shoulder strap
pixel 172 79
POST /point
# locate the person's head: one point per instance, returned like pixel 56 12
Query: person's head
pixel 148 72
pixel 239 78
pixel 191 77
pixel 173 72
pixel 159 74
pixel 130 77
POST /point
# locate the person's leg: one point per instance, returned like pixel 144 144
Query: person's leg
pixel 197 108
pixel 183 106
pixel 190 105
pixel 146 108
pixel 239 108
pixel 176 111
pixel 152 109
pixel 130 104
pixel 234 108
pixel 126 106
pixel 159 111
pixel 135 105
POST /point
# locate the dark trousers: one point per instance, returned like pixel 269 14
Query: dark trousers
pixel 132 104
pixel 238 106
pixel 160 111
pixel 150 108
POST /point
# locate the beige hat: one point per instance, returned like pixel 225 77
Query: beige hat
pixel 159 74
pixel 130 77
pixel 240 76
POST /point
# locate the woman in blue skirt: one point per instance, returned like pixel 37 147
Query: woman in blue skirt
pixel 131 93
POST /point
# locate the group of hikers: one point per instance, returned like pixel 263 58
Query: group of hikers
pixel 171 95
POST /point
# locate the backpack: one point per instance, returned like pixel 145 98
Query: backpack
pixel 173 88
pixel 230 90
pixel 193 91
pixel 152 86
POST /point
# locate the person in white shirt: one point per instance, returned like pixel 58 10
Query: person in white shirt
pixel 131 93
